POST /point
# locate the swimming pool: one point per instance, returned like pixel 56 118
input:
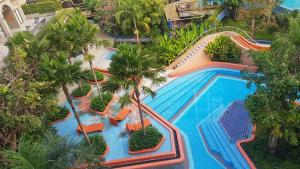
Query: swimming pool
pixel 110 54
pixel 205 92
pixel 291 4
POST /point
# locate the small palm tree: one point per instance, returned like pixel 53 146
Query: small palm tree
pixel 57 71
pixel 128 67
pixel 54 153
pixel 89 58
pixel 129 13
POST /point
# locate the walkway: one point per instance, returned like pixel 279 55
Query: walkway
pixel 200 58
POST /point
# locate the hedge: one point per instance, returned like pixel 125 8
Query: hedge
pixel 82 91
pixel 137 140
pixel 41 7
pixel 97 103
pixel 99 142
pixel 99 76
pixel 223 49
pixel 57 114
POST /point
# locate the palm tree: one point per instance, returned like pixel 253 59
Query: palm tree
pixel 130 13
pixel 128 67
pixel 79 25
pixel 89 58
pixel 57 71
pixel 54 153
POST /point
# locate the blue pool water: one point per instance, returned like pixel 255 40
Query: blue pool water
pixel 291 4
pixel 110 54
pixel 214 92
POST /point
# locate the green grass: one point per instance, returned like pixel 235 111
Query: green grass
pixel 286 156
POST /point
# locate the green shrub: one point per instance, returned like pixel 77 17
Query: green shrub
pixel 82 91
pixel 99 76
pixel 97 103
pixel 57 114
pixel 41 6
pixel 137 140
pixel 223 49
pixel 99 142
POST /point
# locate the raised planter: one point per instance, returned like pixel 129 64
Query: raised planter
pixel 150 149
pixel 87 95
pixel 60 120
pixel 105 152
pixel 106 108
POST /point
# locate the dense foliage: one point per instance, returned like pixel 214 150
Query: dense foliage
pixel 53 152
pixel 278 83
pixel 138 141
pixel 99 76
pixel 98 142
pixel 167 48
pixel 98 104
pixel 57 113
pixel 223 49
pixel 82 90
pixel 41 7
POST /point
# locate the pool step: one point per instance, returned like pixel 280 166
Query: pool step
pixel 220 144
pixel 170 102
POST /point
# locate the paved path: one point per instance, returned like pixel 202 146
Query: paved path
pixel 200 58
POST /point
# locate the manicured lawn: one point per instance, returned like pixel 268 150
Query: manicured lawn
pixel 286 157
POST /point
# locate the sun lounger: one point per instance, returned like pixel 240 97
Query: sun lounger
pixel 119 117
pixel 91 128
pixel 137 126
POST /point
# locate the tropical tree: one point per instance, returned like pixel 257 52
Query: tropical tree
pixel 256 8
pixel 53 153
pixel 79 25
pixel 91 5
pixel 59 73
pixel 128 67
pixel 294 27
pixel 22 98
pixel 233 5
pixel 129 13
pixel 89 58
pixel 277 84
pixel 271 4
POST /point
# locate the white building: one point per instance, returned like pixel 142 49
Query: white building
pixel 12 18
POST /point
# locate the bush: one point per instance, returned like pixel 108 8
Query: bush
pixel 99 76
pixel 57 114
pixel 82 91
pixel 97 103
pixel 223 49
pixel 99 142
pixel 41 6
pixel 137 140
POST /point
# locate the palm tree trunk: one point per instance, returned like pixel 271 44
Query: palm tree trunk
pixel 136 31
pixel 273 142
pixel 13 140
pixel 95 78
pixel 137 94
pixel 253 25
pixel 68 96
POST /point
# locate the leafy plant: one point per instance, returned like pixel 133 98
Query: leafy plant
pixel 57 114
pixel 138 141
pixel 99 105
pixel 223 49
pixel 82 90
pixel 98 142
pixel 99 76
pixel 41 7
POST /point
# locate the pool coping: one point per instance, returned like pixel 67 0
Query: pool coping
pixel 225 65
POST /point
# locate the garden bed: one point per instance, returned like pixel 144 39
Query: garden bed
pixel 58 115
pixel 138 143
pixel 83 92
pixel 97 106
pixel 99 76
